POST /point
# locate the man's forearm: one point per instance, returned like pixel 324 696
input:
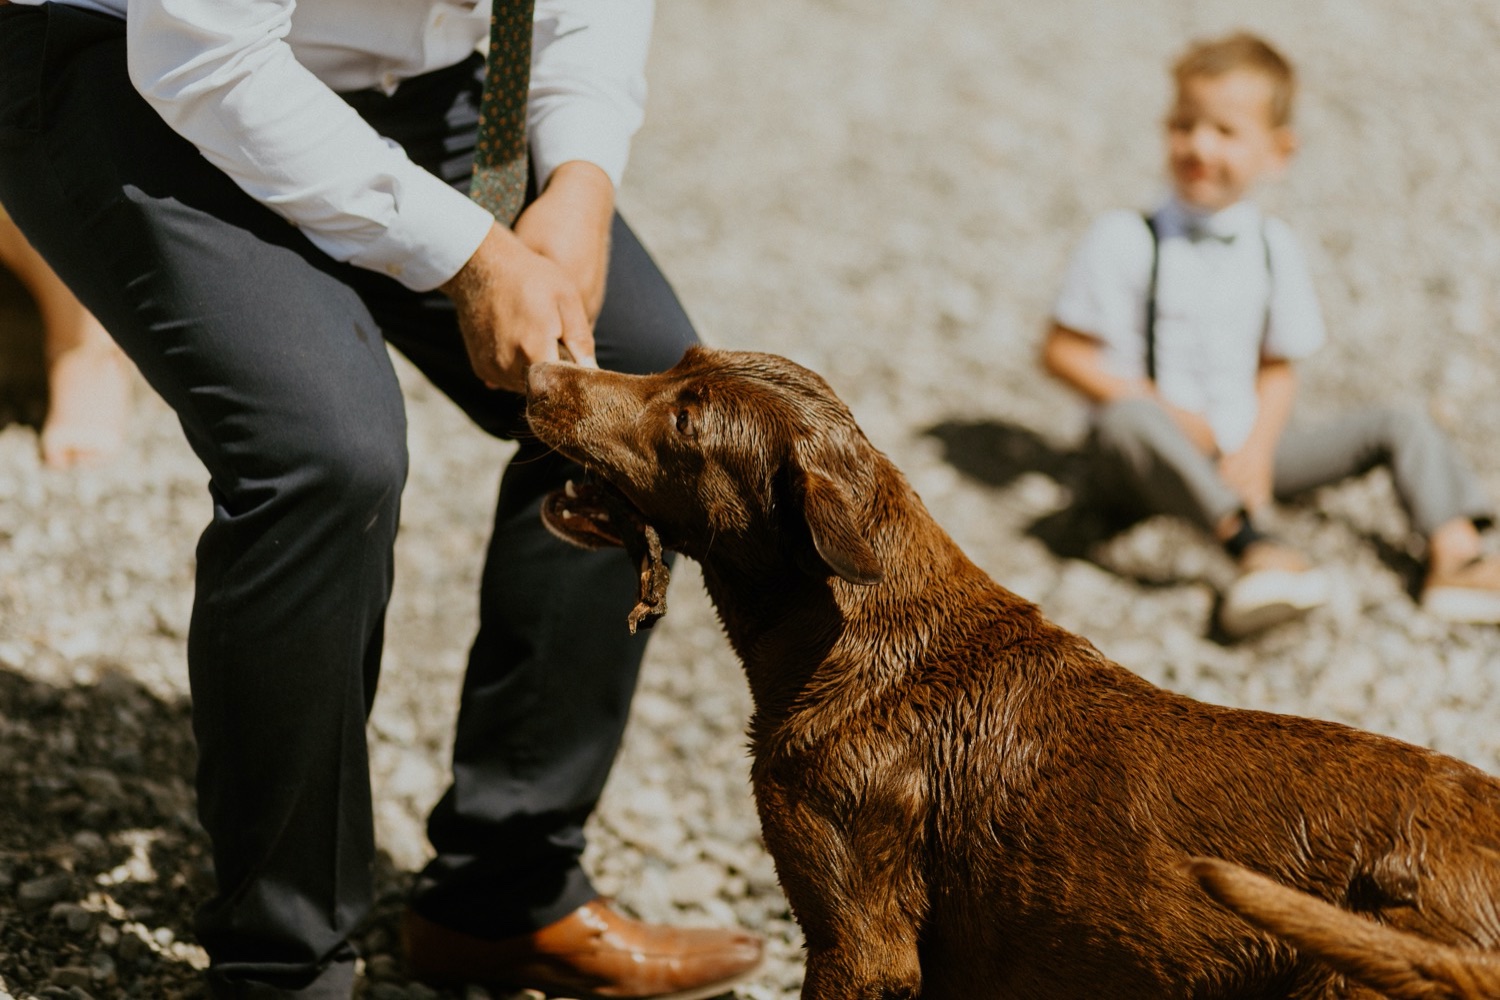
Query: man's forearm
pixel 570 223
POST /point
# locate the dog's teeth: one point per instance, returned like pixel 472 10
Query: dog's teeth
pixel 571 490
pixel 566 514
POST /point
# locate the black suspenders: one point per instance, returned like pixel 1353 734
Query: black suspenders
pixel 1151 291
pixel 1151 298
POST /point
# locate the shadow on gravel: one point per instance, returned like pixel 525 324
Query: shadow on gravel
pixel 101 857
pixel 1400 560
pixel 997 453
pixel 102 860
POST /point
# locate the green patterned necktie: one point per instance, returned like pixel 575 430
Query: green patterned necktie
pixel 500 168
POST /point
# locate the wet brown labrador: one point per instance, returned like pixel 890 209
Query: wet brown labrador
pixel 963 799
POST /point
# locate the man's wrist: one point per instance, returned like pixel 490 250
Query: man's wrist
pixel 474 275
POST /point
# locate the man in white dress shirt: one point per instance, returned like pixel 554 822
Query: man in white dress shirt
pixel 254 198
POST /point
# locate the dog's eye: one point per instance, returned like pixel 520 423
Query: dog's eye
pixel 684 422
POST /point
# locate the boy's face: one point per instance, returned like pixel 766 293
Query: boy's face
pixel 1221 140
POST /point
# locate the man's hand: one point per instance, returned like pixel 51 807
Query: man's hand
pixel 569 224
pixel 517 308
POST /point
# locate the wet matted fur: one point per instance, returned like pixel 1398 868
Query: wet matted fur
pixel 964 800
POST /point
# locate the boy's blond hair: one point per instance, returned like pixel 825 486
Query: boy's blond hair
pixel 1242 51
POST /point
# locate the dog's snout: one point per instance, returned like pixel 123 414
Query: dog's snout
pixel 541 379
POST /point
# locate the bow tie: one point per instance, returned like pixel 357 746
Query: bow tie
pixel 1200 234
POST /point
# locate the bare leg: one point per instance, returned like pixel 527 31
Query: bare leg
pixel 1453 545
pixel 88 377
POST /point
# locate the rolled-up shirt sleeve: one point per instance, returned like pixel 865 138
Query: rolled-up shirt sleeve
pixel 221 74
pixel 588 83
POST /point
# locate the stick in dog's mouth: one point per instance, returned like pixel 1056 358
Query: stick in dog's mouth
pixel 594 515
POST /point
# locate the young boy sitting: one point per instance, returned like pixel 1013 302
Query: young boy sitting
pixel 1182 328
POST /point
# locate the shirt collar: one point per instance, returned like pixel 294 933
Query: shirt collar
pixel 1225 225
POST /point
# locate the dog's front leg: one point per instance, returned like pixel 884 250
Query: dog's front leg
pixel 861 944
pixel 856 890
pixel 830 975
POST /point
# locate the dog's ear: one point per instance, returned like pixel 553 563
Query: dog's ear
pixel 828 510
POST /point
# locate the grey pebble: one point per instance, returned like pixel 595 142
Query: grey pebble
pixel 77 919
pixel 44 891
pixel 72 976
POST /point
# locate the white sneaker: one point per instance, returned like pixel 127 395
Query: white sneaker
pixel 1276 585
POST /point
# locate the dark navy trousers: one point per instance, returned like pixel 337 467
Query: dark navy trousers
pixel 274 358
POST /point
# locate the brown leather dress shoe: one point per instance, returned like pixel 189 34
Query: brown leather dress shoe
pixel 591 954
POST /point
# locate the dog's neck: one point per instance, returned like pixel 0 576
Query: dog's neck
pixel 798 634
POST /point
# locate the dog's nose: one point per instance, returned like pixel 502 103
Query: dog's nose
pixel 541 378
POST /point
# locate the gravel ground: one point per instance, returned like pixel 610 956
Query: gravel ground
pixel 886 192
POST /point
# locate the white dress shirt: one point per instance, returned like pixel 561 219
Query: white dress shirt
pixel 252 84
pixel 1219 309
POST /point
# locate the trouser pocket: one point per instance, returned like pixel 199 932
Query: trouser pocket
pixel 23 37
pixel 36 45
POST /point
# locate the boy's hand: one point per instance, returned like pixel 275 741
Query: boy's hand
pixel 569 224
pixel 1193 425
pixel 1078 360
pixel 517 308
pixel 1249 472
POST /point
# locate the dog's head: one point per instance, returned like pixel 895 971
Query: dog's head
pixel 738 459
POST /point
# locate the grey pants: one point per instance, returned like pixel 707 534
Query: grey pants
pixel 1137 447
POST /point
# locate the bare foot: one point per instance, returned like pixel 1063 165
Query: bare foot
pixel 89 405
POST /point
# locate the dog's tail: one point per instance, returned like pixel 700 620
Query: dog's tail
pixel 1400 965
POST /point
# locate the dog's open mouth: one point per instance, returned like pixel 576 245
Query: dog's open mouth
pixel 590 515
pixel 595 515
